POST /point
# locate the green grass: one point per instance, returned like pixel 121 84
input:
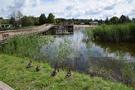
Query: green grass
pixel 26 45
pixel 113 33
pixel 14 73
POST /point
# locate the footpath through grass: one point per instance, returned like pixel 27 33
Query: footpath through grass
pixel 13 71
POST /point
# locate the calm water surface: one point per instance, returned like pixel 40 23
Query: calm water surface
pixel 86 49
pixel 83 55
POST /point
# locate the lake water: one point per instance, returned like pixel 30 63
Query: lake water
pixel 82 54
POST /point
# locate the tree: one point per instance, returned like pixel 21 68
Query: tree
pixel 36 21
pixel 133 20
pixel 107 21
pixel 100 21
pixel 12 21
pixel 1 18
pixel 17 15
pixel 51 18
pixel 42 19
pixel 27 21
pixel 114 20
pixel 124 19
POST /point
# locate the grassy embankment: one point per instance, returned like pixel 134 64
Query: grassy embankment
pixel 113 33
pixel 13 72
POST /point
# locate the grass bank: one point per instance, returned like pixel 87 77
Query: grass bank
pixel 26 45
pixel 113 33
pixel 13 72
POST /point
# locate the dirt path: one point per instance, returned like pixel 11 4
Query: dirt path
pixel 11 33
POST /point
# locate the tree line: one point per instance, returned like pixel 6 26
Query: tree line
pixel 112 20
pixel 31 20
pixel 117 20
pixel 28 20
pixel 43 19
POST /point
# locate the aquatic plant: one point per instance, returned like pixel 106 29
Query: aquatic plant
pixel 26 45
pixel 113 33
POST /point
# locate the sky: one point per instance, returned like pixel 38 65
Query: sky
pixel 82 9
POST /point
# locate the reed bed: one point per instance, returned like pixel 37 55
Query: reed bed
pixel 113 33
pixel 26 45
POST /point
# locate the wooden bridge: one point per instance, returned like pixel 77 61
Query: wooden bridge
pixel 37 29
pixel 44 29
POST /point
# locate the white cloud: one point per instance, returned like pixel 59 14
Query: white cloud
pixel 70 8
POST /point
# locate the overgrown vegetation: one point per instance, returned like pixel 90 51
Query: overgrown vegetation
pixel 113 33
pixel 14 73
pixel 26 45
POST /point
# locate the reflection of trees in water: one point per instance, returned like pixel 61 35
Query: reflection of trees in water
pixel 108 68
pixel 63 54
pixel 59 53
pixel 121 47
pixel 123 51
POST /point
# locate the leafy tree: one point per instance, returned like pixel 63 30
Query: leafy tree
pixel 51 18
pixel 124 19
pixel 27 21
pixel 36 20
pixel 100 21
pixel 114 20
pixel 107 21
pixel 1 17
pixel 4 21
pixel 42 19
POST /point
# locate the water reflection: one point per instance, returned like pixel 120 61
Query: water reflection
pixel 125 51
pixel 78 47
pixel 101 59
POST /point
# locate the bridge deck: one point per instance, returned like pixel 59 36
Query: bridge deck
pixel 11 33
pixel 37 29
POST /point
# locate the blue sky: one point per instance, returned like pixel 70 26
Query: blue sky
pixel 70 8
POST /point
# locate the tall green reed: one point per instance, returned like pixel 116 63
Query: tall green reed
pixel 113 33
pixel 26 45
